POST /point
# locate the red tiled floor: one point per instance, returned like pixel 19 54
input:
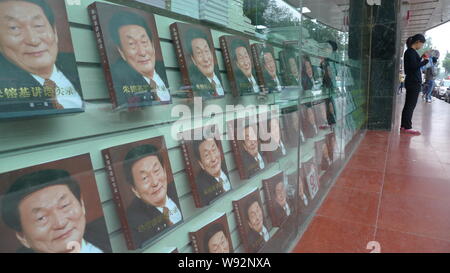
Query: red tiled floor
pixel 351 205
pixel 326 235
pixel 367 180
pixel 394 184
pixel 421 215
pixel 398 242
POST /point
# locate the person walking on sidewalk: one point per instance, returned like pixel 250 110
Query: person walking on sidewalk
pixel 412 63
pixel 430 76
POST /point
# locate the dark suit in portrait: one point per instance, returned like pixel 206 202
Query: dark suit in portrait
pixel 255 240
pixel 29 94
pixel 280 212
pixel 278 153
pixel 271 84
pixel 208 187
pixel 201 86
pixel 250 163
pixel 125 77
pixel 244 85
pixel 146 221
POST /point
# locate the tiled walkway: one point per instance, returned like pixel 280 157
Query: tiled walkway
pixel 395 190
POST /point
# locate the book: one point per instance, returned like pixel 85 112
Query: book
pixel 131 56
pixel 297 182
pixel 308 120
pixel 289 66
pixel 144 190
pixel 38 83
pixel 195 52
pixel 214 237
pixel 331 113
pixel 250 219
pixel 246 146
pixel 293 129
pixel 205 164
pixel 280 206
pixel 321 115
pixel 333 148
pixel 309 76
pixel 53 207
pixel 272 136
pixel 322 155
pixel 238 61
pixel 311 175
pixel 266 67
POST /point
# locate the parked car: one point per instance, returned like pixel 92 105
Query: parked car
pixel 444 89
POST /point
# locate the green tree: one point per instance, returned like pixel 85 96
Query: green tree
pixel 446 63
pixel 254 9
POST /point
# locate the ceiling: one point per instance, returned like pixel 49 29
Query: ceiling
pixel 423 14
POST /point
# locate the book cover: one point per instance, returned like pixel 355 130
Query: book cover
pixel 37 81
pixel 297 181
pixel 331 113
pixel 309 77
pixel 52 208
pixel 205 164
pixel 266 67
pixel 197 60
pixel 246 146
pixel 293 129
pixel 311 175
pixel 322 155
pixel 308 120
pixel 214 237
pixel 240 67
pixel 289 66
pixel 272 136
pixel 250 217
pixel 280 206
pixel 333 148
pixel 321 115
pixel 131 56
pixel 143 189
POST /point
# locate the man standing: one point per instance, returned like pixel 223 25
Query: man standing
pixel 137 66
pixel 34 75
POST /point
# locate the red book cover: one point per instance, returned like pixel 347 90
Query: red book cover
pixel 266 67
pixel 38 75
pixel 280 205
pixel 310 128
pixel 214 237
pixel 311 175
pixel 195 52
pixel 246 146
pixel 144 190
pixel 131 56
pixel 240 68
pixel 53 207
pixel 321 115
pixel 273 138
pixel 205 164
pixel 250 217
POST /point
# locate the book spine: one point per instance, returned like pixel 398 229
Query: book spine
pixel 194 242
pixel 258 66
pixel 93 14
pixel 118 200
pixel 229 66
pixel 270 204
pixel 175 34
pixel 241 226
pixel 190 173
pixel 234 146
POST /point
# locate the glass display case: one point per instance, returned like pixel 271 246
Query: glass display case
pixel 189 125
